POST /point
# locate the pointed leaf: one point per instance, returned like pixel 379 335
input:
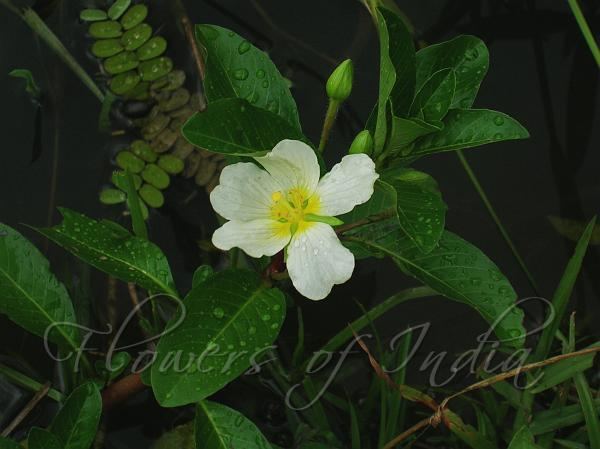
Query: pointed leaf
pixel 31 296
pixel 435 97
pixel 406 130
pixel 112 249
pixel 221 427
pixel 235 127
pixel 237 69
pixel 455 269
pixel 76 423
pixel 469 128
pixel 466 55
pixel 573 229
pixel 229 314
pixel 42 439
pixel 397 70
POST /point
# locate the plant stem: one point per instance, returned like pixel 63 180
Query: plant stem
pixel 494 215
pixel 585 30
pixel 27 382
pixel 41 394
pixel 330 117
pixel 36 23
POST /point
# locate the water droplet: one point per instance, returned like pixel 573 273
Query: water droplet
pixel 272 106
pixel 265 84
pixel 260 74
pixel 274 326
pixel 240 74
pixel 276 307
pixel 475 281
pixel 244 47
pixel 251 330
pixel 218 312
pixel 498 136
pixel 316 251
pixel 499 120
pixel 471 54
pixel 266 317
pixel 239 420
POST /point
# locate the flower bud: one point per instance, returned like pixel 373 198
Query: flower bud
pixel 362 143
pixel 339 84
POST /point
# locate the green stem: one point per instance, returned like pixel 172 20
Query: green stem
pixel 405 295
pixel 494 215
pixel 330 117
pixel 24 381
pixel 36 23
pixel 585 30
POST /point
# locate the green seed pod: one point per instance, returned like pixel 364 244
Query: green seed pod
pixel 141 92
pixel 106 48
pixel 124 82
pixel 129 161
pixel 176 79
pixel 155 126
pixel 118 8
pixel 152 49
pixel 171 164
pixel 112 196
pixel 152 196
pixel 136 37
pixel 93 15
pixel 177 100
pixel 143 150
pixel 105 30
pixel 362 143
pixel 119 176
pixel 339 84
pixel 156 176
pixel 123 62
pixel 134 16
pixel 155 68
pixel 164 141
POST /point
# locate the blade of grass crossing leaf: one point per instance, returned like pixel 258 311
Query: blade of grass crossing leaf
pixel 585 30
pixel 563 292
pixel 588 408
pixel 397 407
pixel 354 427
pixel 490 208
pixel 133 202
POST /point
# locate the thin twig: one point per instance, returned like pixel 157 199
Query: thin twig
pixel 41 394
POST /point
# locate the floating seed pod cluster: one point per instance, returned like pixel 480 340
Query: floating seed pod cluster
pixel 138 70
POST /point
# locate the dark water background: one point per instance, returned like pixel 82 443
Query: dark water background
pixel 541 73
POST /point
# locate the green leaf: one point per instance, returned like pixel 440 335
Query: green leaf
pixel 31 86
pixel 435 97
pixel 5 443
pixel 76 423
pixel 421 209
pixel 456 269
pixel 561 297
pixel 221 427
pixel 397 71
pixel 562 371
pixel 112 249
pixel 31 296
pixel 467 128
pixel 406 130
pixel 383 199
pixel 466 55
pixel 202 273
pixel 523 439
pixel 135 208
pixel 573 229
pixel 42 439
pixel 559 417
pixel 237 128
pixel 586 400
pixel 230 313
pixel 237 69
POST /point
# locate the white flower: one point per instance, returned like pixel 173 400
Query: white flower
pixel 285 205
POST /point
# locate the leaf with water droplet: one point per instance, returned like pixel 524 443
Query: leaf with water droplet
pixel 233 66
pixel 241 314
pixel 220 427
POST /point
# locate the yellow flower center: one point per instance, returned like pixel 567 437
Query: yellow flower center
pixel 290 207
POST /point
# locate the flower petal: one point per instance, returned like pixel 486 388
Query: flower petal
pixel 293 164
pixel 256 238
pixel 348 184
pixel 244 192
pixel 316 261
